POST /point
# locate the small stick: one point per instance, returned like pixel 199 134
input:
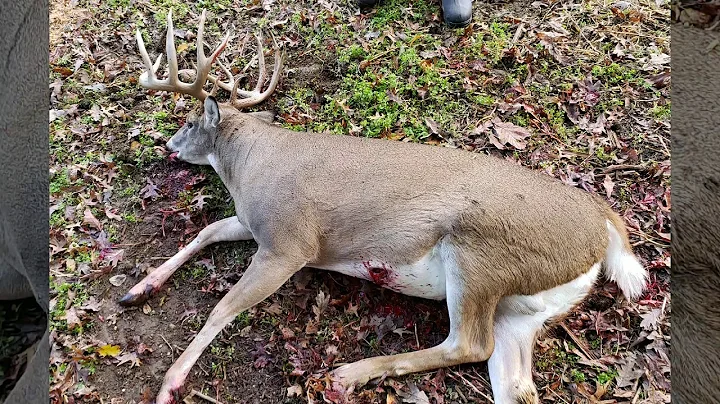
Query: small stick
pixel 577 341
pixel 617 167
pixel 417 342
pixel 472 386
pixel 204 397
pixel 172 351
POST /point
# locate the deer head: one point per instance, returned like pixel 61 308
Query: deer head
pixel 194 142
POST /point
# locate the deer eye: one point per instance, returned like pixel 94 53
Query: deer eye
pixel 190 125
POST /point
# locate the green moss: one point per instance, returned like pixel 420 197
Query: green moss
pixel 615 73
pixel 59 181
pixel 577 375
pixel 64 299
pixel 661 112
pixel 607 377
pixel 243 319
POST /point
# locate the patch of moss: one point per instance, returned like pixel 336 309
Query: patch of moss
pixel 615 74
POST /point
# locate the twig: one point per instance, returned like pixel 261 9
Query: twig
pixel 577 341
pixel 649 239
pixel 472 386
pixel 417 341
pixel 172 351
pixel 607 31
pixel 617 167
pixel 518 33
pixel 160 258
pixel 203 396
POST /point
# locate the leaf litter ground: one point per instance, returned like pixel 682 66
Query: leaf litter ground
pixel 579 90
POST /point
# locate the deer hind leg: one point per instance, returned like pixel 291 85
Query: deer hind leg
pixel 518 322
pixel 266 274
pixel 470 339
pixel 228 229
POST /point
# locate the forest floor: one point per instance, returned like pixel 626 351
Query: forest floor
pixel 576 89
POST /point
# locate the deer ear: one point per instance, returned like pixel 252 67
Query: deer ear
pixel 212 112
pixel 265 116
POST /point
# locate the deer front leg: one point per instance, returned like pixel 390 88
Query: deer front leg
pixel 228 229
pixel 264 276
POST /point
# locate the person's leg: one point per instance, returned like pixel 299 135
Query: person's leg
pixel 367 3
pixel 457 13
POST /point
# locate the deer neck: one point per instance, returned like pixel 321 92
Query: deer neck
pixel 232 151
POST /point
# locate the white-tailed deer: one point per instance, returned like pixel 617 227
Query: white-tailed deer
pixel 508 248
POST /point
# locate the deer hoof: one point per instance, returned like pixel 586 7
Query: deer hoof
pixel 136 299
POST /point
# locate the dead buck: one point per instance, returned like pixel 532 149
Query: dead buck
pixel 510 249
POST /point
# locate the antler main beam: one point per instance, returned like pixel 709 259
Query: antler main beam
pixel 256 96
pixel 172 83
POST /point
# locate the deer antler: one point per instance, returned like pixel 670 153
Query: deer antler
pixel 172 83
pixel 255 96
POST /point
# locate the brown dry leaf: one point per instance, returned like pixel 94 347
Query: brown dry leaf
pixel 509 133
pixel 432 125
pixel 287 333
pixel 112 215
pixel 114 256
pixel 142 348
pixel 392 399
pixel 294 390
pixel 416 395
pixel 90 219
pixel 608 184
pixel 274 309
pixel 92 304
pixel 322 303
pixel 650 320
pixel 129 357
pixel 72 316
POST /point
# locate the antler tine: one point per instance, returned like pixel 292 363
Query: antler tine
pixel 230 83
pixel 261 63
pixel 173 78
pixel 173 83
pixel 255 97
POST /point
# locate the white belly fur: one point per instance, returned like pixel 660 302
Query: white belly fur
pixel 424 278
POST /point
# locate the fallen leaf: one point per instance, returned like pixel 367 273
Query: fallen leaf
pixel 142 348
pixel 322 303
pixel 113 257
pixel 112 215
pixel 608 184
pixel 92 304
pixel 129 357
pixel 509 133
pixel 432 125
pixel 294 390
pixel 150 190
pixel 650 320
pixel 416 395
pixel 118 280
pixel 72 317
pixel 199 200
pixel 89 218
pixel 109 350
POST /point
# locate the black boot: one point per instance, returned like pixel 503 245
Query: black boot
pixel 457 13
pixel 367 3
